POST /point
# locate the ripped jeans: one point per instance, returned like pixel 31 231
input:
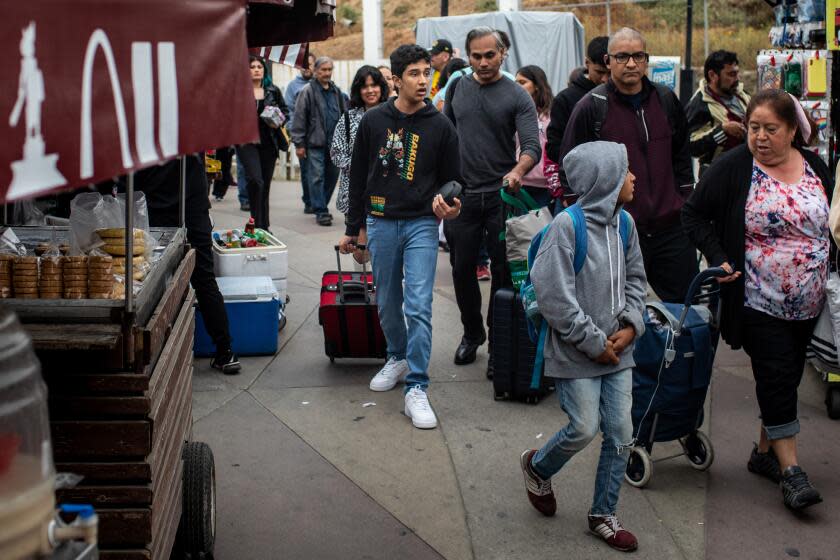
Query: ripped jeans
pixel 594 403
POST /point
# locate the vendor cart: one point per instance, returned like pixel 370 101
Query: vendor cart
pixel 106 88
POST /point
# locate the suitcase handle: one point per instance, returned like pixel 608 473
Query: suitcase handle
pixel 341 276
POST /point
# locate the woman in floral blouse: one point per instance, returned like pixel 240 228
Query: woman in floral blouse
pixel 761 213
pixel 368 90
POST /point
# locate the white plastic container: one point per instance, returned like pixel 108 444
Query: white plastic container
pixel 27 474
pixel 271 261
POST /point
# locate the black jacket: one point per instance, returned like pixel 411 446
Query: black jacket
pixel 273 96
pixel 561 110
pixel 713 218
pixel 399 163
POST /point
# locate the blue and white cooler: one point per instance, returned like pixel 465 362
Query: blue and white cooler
pixel 253 309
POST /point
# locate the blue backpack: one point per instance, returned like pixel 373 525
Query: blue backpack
pixel 537 327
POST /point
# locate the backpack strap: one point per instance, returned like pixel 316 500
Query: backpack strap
pixel 347 130
pixel 601 103
pixel 539 357
pixel 668 101
pixel 581 240
pixel 624 230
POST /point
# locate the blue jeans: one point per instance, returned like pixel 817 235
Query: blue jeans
pixel 405 250
pixel 304 183
pixel 323 176
pixel 594 403
pixel 242 185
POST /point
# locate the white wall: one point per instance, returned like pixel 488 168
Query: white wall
pixel 343 72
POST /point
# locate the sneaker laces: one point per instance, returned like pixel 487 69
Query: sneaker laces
pixel 389 367
pixel 419 400
pixel 798 481
pixel 611 523
pixel 535 484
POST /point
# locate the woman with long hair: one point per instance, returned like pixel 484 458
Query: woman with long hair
pixel 258 160
pixel 368 90
pixel 534 81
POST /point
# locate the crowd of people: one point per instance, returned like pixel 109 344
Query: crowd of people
pixel 612 141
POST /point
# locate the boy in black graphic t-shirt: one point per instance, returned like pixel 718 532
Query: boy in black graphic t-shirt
pixel 405 150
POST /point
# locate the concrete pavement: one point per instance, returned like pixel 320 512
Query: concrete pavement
pixel 308 468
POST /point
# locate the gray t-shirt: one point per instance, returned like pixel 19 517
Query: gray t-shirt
pixel 487 118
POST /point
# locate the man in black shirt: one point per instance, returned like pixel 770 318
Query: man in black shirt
pixel 561 109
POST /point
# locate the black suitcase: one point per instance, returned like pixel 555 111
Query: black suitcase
pixel 513 352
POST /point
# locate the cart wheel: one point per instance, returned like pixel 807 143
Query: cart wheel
pixel 639 468
pixel 332 359
pixel 197 530
pixel 499 395
pixel 832 403
pixel 699 450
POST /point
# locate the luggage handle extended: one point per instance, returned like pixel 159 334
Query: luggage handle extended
pixel 694 288
pixel 341 276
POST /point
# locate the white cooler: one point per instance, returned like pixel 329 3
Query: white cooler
pixel 271 261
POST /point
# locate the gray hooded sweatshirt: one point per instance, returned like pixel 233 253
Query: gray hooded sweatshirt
pixel 609 291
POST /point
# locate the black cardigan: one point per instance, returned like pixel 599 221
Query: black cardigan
pixel 713 218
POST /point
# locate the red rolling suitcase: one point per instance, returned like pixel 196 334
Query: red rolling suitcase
pixel 349 315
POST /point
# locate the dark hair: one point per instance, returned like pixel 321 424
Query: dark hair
pixel 576 73
pixel 717 60
pixel 542 90
pixel 405 55
pixel 784 107
pixel 359 82
pixel 451 67
pixel 596 50
pixel 484 31
pixel 505 38
pixel 266 78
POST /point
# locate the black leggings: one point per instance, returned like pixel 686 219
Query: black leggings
pixel 258 162
pixel 776 348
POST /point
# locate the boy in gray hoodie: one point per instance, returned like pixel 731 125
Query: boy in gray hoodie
pixel 594 317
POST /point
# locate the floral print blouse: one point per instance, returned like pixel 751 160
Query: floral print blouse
pixel 787 244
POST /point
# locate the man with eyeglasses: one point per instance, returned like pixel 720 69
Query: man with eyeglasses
pixel 488 111
pixel 649 120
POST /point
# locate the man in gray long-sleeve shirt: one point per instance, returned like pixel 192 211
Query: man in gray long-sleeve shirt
pixel 488 110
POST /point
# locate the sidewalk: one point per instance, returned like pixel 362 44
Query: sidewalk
pixel 307 468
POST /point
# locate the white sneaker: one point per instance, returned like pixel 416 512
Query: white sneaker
pixel 417 408
pixel 393 372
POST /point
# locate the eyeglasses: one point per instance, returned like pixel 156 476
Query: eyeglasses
pixel 623 57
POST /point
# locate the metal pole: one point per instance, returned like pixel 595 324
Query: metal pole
pixel 706 28
pixel 444 8
pixel 182 193
pixel 609 18
pixel 687 75
pixel 129 244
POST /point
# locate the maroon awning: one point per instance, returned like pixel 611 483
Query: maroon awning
pixel 97 88
pixel 281 22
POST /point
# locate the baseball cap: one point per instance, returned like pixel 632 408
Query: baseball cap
pixel 441 45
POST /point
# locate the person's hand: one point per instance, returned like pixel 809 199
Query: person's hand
pixel 347 244
pixel 359 255
pixel 512 181
pixel 608 356
pixel 734 129
pixel 301 153
pixel 732 274
pixel 443 211
pixel 622 338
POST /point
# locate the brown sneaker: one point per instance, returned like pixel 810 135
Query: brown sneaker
pixel 539 491
pixel 610 529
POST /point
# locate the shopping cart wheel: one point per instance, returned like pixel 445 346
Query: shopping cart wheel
pixel 832 403
pixel 698 449
pixel 197 530
pixel 639 468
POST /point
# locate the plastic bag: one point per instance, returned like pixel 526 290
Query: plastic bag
pixel 273 116
pixel 89 212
